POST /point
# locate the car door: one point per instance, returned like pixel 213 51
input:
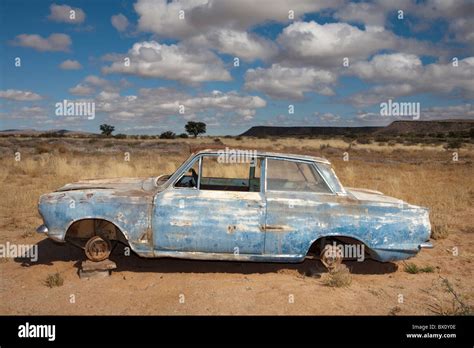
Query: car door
pixel 299 205
pixel 212 215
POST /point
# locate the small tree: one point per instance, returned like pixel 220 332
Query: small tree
pixel 195 128
pixel 106 129
pixel 167 135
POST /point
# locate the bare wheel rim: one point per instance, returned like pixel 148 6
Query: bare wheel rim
pixel 331 257
pixel 97 248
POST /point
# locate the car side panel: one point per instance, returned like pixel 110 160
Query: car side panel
pixel 129 214
pixel 295 220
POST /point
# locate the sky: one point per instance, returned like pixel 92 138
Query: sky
pixel 149 66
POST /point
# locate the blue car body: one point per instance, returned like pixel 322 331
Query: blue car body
pixel 158 219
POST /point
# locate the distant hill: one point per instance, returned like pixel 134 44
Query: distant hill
pixel 395 128
pixel 295 131
pixel 426 127
pixel 33 132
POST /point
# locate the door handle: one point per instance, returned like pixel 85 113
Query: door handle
pixel 256 205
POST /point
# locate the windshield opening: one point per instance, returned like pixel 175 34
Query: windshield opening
pixel 330 177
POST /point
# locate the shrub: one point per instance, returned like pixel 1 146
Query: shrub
pixel 183 135
pixel 120 136
pixel 454 144
pixel 414 269
pixel 340 277
pixel 381 139
pixel 168 135
pixel 53 280
pixel 364 140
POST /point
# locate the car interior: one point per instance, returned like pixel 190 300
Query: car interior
pixel 222 176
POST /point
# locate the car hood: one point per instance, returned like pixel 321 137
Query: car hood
pixel 372 196
pixel 117 184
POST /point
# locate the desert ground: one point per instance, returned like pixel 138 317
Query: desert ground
pixel 427 175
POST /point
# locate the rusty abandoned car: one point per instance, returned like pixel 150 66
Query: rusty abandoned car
pixel 272 208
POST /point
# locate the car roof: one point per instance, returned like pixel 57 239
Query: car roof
pixel 266 154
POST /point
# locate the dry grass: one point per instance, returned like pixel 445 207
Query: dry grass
pixel 456 305
pixel 414 269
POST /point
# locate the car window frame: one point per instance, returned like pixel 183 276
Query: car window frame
pixel 185 169
pixel 311 163
pixel 199 158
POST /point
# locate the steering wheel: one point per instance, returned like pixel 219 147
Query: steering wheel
pixel 195 177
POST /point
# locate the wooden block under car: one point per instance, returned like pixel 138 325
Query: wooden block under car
pixel 101 269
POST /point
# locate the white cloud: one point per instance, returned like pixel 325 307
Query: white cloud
pixel 90 84
pixel 172 62
pixel 14 94
pixel 463 29
pixel 289 83
pixel 151 103
pixel 119 22
pixel 393 67
pixel 29 113
pixel 458 15
pixel 97 81
pixel 462 111
pixel 222 24
pixel 373 13
pixel 310 43
pixel 327 117
pixel 404 75
pixel 362 12
pixel 54 42
pixel 70 65
pixel 66 14
pixel 237 43
pixel 162 17
pixel 81 89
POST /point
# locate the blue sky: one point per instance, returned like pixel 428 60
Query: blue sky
pixel 182 57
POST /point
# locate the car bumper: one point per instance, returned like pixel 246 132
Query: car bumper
pixel 43 229
pixel 425 246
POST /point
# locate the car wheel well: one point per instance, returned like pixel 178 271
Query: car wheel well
pixel 87 228
pixel 318 245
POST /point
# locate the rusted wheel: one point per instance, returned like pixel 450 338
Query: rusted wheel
pixel 97 248
pixel 331 257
